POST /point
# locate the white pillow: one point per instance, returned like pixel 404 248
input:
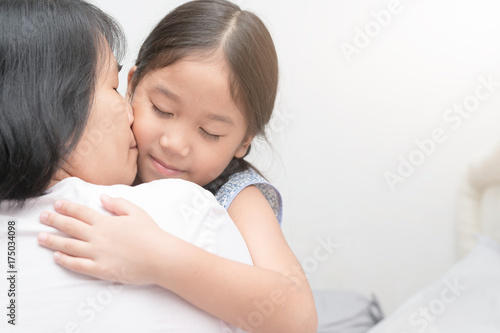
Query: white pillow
pixel 465 300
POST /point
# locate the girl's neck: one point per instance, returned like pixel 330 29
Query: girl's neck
pixel 137 181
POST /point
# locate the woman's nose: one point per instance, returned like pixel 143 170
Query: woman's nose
pixel 130 113
pixel 124 106
pixel 129 110
pixel 176 143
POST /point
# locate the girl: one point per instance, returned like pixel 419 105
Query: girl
pixel 203 87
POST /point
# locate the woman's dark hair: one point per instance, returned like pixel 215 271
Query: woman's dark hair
pixel 50 54
pixel 202 27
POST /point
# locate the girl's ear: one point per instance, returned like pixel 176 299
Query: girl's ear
pixel 129 78
pixel 242 150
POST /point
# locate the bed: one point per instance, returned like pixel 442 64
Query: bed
pixel 478 204
pixel 466 298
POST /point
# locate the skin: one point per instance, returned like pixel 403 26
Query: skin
pixel 228 290
pixel 187 125
pixel 107 152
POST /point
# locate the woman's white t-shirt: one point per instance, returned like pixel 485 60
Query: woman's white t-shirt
pixel 51 299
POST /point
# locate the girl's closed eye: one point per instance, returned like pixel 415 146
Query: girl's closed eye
pixel 161 113
pixel 209 136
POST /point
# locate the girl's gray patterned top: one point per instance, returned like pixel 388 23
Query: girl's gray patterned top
pixel 241 180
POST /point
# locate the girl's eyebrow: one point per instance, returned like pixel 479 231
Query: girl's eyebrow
pixel 221 118
pixel 212 116
pixel 167 93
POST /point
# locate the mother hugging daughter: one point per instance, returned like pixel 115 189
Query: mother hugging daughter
pixel 203 87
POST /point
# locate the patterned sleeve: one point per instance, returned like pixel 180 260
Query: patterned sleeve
pixel 241 180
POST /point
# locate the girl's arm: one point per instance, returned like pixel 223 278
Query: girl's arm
pixel 272 296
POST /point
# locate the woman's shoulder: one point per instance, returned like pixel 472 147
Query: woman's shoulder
pixel 241 180
pixel 155 192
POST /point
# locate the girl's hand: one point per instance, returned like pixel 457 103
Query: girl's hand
pixel 101 244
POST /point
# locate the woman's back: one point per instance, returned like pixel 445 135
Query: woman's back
pixel 49 298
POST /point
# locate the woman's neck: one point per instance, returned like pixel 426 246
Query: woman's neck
pixel 58 176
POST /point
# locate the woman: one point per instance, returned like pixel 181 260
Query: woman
pixel 61 118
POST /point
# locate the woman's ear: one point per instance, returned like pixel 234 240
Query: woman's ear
pixel 242 150
pixel 131 73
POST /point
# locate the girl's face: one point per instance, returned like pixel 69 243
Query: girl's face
pixel 186 124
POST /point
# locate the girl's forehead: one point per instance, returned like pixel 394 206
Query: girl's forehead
pixel 195 89
pixel 194 73
pixel 213 57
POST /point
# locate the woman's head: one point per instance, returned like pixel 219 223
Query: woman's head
pixel 106 153
pixel 52 56
pixel 205 62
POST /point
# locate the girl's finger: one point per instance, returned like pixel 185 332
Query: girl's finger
pixel 78 265
pixel 119 206
pixel 69 246
pixel 79 212
pixel 73 227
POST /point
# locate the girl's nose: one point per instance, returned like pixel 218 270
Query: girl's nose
pixel 175 143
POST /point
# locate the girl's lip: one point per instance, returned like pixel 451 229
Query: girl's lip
pixel 165 169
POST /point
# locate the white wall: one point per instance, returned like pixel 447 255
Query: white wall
pixel 342 125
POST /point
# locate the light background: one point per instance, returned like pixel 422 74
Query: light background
pixel 341 125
